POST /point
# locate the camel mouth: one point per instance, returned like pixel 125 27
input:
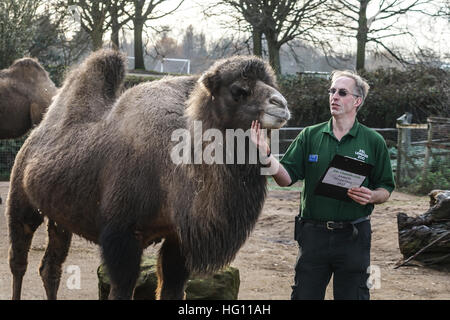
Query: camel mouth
pixel 274 120
pixel 283 115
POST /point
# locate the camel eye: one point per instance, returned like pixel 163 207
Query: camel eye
pixel 238 92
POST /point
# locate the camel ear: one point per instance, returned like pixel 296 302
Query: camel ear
pixel 211 81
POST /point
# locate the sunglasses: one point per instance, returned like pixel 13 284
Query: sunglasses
pixel 341 92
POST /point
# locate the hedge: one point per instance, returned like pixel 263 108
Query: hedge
pixel 422 91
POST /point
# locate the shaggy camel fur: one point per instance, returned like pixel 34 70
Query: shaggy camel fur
pixel 25 93
pixel 101 168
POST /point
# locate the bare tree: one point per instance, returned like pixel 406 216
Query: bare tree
pixel 166 46
pixel 144 10
pixel 119 18
pixel 94 18
pixel 279 21
pixel 382 24
pixel 248 16
pixel 443 10
pixel 188 42
pixel 193 44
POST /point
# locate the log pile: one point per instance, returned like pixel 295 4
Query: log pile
pixel 426 238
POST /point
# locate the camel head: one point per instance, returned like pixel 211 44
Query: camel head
pixel 236 91
pixel 26 91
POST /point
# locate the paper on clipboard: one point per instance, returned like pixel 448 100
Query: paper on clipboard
pixel 342 178
pixel 342 174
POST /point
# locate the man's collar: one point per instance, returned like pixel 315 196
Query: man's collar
pixel 329 128
pixel 354 130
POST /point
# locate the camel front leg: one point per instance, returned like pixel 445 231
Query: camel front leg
pixel 121 253
pixel 172 272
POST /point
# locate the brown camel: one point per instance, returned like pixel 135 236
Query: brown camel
pixel 26 92
pixel 101 167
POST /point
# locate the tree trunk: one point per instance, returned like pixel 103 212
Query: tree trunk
pixel 97 39
pixel 115 38
pixel 115 28
pixel 361 36
pixel 274 52
pixel 257 43
pixel 138 46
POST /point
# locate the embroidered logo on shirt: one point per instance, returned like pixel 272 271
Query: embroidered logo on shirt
pixel 313 158
pixel 361 155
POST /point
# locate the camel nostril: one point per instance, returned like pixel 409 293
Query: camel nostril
pixel 278 101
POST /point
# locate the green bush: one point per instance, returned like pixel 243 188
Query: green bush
pixel 422 91
pixel 307 99
pixel 132 80
pixel 139 76
pixel 8 152
pixel 437 177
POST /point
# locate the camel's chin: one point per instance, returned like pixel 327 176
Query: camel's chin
pixel 269 121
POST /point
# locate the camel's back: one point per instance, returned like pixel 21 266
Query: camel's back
pixel 155 99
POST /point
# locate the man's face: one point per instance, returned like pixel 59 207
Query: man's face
pixel 343 106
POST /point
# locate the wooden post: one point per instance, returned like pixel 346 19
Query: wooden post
pixel 428 150
pixel 398 173
pixel 403 141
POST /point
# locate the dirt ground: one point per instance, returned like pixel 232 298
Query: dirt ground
pixel 266 261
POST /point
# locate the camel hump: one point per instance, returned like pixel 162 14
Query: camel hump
pixel 91 88
pixel 27 63
pixel 24 69
pixel 107 66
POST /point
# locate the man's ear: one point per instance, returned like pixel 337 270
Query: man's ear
pixel 211 81
pixel 358 102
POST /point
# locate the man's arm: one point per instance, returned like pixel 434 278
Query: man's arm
pixel 281 176
pixel 363 195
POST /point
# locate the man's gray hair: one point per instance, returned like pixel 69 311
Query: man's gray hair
pixel 361 85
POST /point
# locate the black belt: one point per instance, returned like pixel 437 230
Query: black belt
pixel 337 225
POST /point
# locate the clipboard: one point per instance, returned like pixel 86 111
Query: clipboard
pixel 342 174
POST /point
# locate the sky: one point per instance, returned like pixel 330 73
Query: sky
pixel 190 12
pixel 426 31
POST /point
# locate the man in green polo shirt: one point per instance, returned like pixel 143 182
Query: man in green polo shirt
pixel 334 236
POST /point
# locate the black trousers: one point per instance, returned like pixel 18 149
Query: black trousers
pixel 323 253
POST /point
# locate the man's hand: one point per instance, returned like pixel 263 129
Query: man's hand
pixel 258 138
pixel 363 195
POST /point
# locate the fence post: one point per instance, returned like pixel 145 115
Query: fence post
pixel 403 142
pixel 398 174
pixel 428 150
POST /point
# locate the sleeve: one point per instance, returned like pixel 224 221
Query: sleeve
pixel 292 160
pixel 382 175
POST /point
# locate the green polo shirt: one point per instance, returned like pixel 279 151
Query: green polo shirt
pixel 309 155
